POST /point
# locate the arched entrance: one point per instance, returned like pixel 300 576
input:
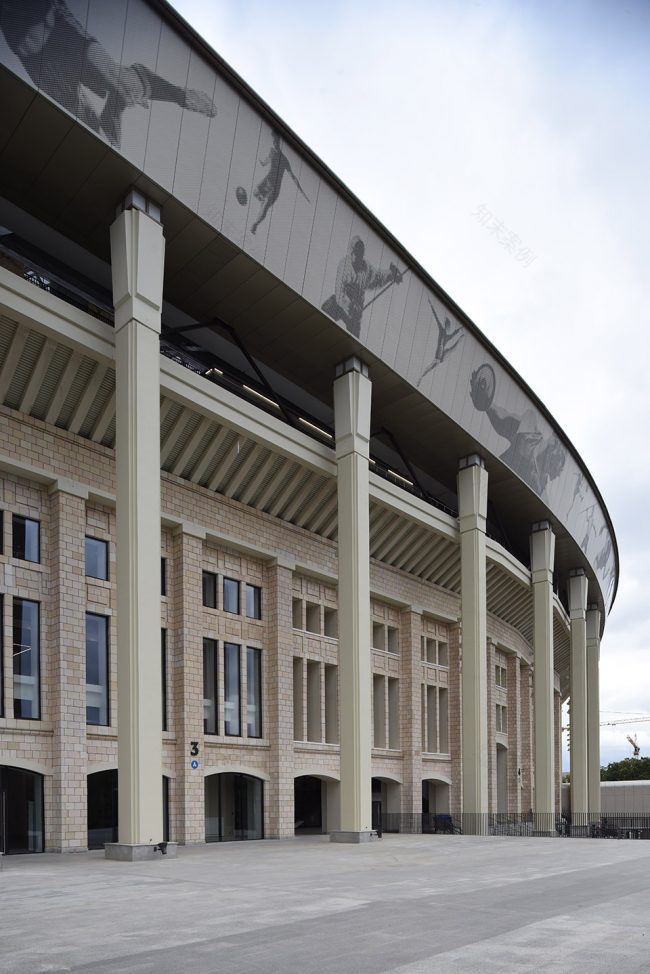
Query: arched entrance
pixel 385 804
pixel 315 804
pixel 435 806
pixel 234 807
pixel 502 778
pixel 102 808
pixel 21 811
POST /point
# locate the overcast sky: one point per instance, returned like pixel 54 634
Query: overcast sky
pixel 436 111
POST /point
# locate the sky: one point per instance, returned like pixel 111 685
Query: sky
pixel 536 112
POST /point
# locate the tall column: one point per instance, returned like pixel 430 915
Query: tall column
pixel 279 795
pixel 137 253
pixel 578 615
pixel 490 656
pixel 187 676
pixel 472 509
pixel 410 704
pixel 542 556
pixel 593 710
pixel 68 814
pixel 352 395
pixel 514 711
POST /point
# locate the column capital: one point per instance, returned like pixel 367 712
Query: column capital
pixel 472 494
pixel 352 398
pixel 577 593
pixel 63 485
pixel 542 552
pixel 352 364
pixel 137 264
pixel 593 626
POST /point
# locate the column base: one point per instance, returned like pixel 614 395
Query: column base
pixel 353 837
pixel 139 851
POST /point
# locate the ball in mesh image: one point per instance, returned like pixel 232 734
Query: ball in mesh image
pixel 482 386
pixel 242 196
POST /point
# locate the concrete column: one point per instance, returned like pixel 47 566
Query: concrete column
pixel 137 257
pixel 352 395
pixel 578 755
pixel 526 766
pixel 542 556
pixel 490 657
pixel 472 509
pixel 514 705
pixel 278 697
pixel 593 710
pixel 410 704
pixel 455 721
pixel 67 814
pixel 187 677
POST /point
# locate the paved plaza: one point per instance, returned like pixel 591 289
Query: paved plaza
pixel 408 904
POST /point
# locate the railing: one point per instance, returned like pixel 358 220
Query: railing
pixel 619 825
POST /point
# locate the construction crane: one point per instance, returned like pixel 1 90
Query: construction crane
pixel 637 747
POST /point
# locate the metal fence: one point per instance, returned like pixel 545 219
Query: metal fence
pixel 621 825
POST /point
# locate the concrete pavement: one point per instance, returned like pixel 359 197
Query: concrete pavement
pixel 407 904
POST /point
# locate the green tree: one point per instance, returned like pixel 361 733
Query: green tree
pixel 629 769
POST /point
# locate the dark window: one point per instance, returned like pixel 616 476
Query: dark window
pixel 254 692
pixel 26 538
pixel 96 558
pixel 96 669
pixel 165 801
pixel 231 688
pixel 253 601
pixel 210 590
pixel 230 595
pixel 2 532
pixel 163 576
pixel 27 663
pixel 163 675
pixel 210 696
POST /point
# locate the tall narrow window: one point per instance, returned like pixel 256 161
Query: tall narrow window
pixel 26 538
pixel 231 690
pixel 254 692
pixel 210 590
pixel 96 558
pixel 210 685
pixel 253 601
pixel 27 663
pixel 230 595
pixel 96 669
pixel 163 576
pixel 163 675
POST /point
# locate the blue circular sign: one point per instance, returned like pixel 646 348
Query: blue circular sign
pixel 194 765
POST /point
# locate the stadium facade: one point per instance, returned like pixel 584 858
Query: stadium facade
pixel 287 543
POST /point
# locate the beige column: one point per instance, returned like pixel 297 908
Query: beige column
pixel 514 705
pixel 578 755
pixel 542 556
pixel 67 813
pixel 187 683
pixel 490 656
pixel 352 395
pixel 278 699
pixel 410 704
pixel 593 710
pixel 472 508
pixel 137 252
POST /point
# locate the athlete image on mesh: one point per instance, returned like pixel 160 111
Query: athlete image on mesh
pixel 448 338
pixel 536 457
pixel 268 189
pixel 71 66
pixel 354 276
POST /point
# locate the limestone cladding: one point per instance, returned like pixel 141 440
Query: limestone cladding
pixel 415 644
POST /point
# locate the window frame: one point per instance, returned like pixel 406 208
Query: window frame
pixel 98 541
pixel 226 581
pixel 25 521
pixel 211 645
pixel 17 700
pixel 229 668
pixel 254 653
pixel 107 671
pixel 256 594
pixel 213 579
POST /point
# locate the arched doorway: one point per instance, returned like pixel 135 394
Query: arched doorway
pixel 502 778
pixel 21 811
pixel 102 808
pixel 316 804
pixel 234 807
pixel 435 806
pixel 385 804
